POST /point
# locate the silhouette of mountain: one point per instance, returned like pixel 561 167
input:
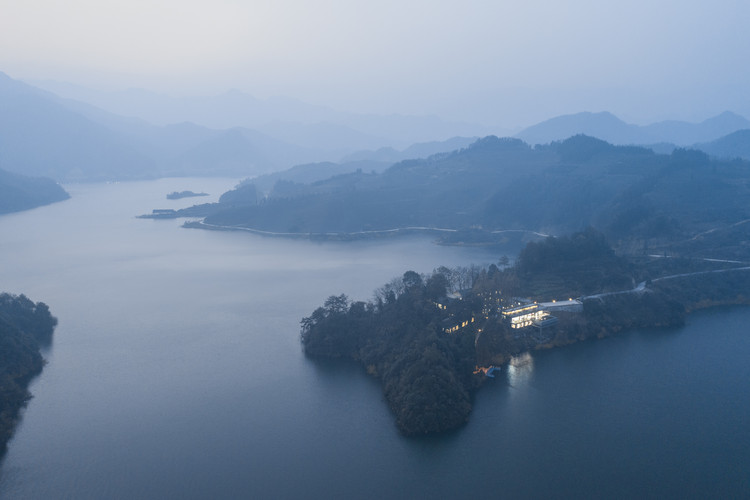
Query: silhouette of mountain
pixel 81 142
pixel 283 118
pixel 236 152
pixel 604 125
pixel 44 135
pixel 637 197
pixel 309 173
pixel 417 150
pixel 734 145
pixel 683 133
pixel 608 127
pixel 41 137
pixel 19 192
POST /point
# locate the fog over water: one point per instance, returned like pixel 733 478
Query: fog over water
pixel 176 372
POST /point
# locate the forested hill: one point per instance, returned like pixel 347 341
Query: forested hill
pixel 19 192
pixel 630 193
pixel 24 327
pixel 429 339
pixel 427 376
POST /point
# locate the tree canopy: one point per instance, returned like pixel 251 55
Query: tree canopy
pixel 24 327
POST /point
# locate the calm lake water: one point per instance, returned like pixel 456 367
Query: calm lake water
pixel 176 372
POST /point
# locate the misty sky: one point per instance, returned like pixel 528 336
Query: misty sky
pixel 495 62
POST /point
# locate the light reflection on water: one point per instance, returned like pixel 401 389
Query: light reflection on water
pixel 520 371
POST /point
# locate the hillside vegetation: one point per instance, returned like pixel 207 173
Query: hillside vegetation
pixel 25 326
pixel 642 201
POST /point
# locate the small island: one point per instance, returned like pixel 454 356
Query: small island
pixel 25 327
pixel 175 195
pixel 433 340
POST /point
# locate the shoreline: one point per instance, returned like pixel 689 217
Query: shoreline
pixel 569 333
pixel 426 355
pixel 495 237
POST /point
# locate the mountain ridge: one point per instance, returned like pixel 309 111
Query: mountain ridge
pixel 606 126
pixel 84 143
pixel 640 199
pixel 235 108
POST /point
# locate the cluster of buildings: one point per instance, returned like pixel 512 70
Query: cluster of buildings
pixel 520 314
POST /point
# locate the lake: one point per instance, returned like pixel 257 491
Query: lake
pixel 176 372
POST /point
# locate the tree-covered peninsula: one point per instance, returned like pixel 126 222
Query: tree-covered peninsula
pixel 427 376
pixel 25 326
pixel 430 339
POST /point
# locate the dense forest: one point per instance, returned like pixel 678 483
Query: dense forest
pixel 25 326
pixel 427 376
pixel 429 338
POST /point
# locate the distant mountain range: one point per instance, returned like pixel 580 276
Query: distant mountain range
pixel 418 150
pixel 608 127
pixel 285 119
pixel 44 134
pixel 41 137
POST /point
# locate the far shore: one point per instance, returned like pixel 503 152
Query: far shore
pixel 447 236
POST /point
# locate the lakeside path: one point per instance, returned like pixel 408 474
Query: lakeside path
pixel 218 227
pixel 641 287
pixel 383 232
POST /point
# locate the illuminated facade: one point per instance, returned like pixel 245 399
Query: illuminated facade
pixel 525 315
pixel 459 326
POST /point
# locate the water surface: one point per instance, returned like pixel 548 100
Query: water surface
pixel 176 372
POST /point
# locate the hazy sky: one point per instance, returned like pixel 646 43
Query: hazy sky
pixel 496 62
